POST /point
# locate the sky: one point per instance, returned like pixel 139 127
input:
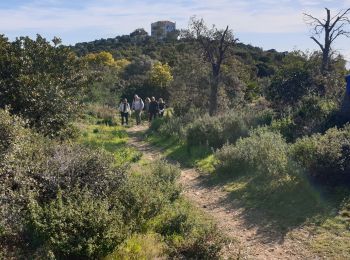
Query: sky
pixel 270 24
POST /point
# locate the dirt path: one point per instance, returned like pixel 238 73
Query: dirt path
pixel 251 239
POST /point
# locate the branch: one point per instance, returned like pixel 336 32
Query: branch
pixel 341 32
pixel 221 46
pixel 319 44
pixel 313 20
pixel 337 32
pixel 340 18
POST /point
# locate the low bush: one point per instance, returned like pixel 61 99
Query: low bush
pixel 205 131
pixel 263 152
pixel 188 234
pixel 147 193
pixel 33 171
pixel 104 114
pixel 177 126
pixel 76 225
pixel 157 123
pixel 312 115
pixel 326 157
pixel 199 129
pixel 226 128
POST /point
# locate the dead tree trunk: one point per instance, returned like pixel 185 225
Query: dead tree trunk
pixel 332 28
pixel 214 87
pixel 215 46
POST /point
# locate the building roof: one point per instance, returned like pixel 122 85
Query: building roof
pixel 163 22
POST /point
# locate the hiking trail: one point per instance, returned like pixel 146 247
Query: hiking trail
pixel 250 238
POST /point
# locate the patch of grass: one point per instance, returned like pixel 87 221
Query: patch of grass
pixel 140 246
pixel 200 157
pixel 113 139
pixel 331 237
pixel 206 164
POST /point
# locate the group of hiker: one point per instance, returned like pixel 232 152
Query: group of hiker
pixel 150 106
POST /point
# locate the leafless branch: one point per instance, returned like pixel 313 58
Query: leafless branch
pixel 311 20
pixel 318 43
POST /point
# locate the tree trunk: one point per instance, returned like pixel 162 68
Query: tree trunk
pixel 327 44
pixel 325 61
pixel 214 86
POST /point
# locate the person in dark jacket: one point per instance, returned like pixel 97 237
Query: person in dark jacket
pixel 161 105
pixel 153 109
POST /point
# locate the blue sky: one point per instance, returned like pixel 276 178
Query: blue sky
pixel 265 23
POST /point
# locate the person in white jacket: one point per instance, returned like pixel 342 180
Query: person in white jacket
pixel 124 109
pixel 137 106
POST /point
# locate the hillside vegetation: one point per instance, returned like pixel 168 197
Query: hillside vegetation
pixel 71 187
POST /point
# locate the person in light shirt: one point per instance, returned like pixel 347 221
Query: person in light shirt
pixel 137 106
pixel 124 109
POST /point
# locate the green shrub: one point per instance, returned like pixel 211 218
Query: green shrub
pixel 76 226
pixel 188 234
pixel 315 114
pixel 22 155
pixel 286 127
pixel 226 128
pixel 205 131
pixel 263 152
pixel 327 156
pixel 32 164
pixel 148 192
pixel 292 81
pixel 157 123
pixel 176 126
pixel 105 115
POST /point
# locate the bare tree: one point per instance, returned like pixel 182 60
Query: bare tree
pixel 215 45
pixel 331 28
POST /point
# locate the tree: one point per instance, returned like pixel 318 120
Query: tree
pixel 160 75
pixel 292 81
pixel 215 45
pixel 138 35
pixel 104 78
pixel 42 83
pixel 331 28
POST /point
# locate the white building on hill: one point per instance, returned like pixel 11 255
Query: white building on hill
pixel 161 29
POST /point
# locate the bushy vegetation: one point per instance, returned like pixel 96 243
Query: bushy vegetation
pixel 277 152
pixel 273 145
pixel 62 200
pixel 196 129
pixel 263 152
pixel 42 83
pixel 187 233
pixel 77 226
pixel 326 157
pixel 46 186
pixel 227 128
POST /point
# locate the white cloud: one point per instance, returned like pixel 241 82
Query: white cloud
pixel 134 14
